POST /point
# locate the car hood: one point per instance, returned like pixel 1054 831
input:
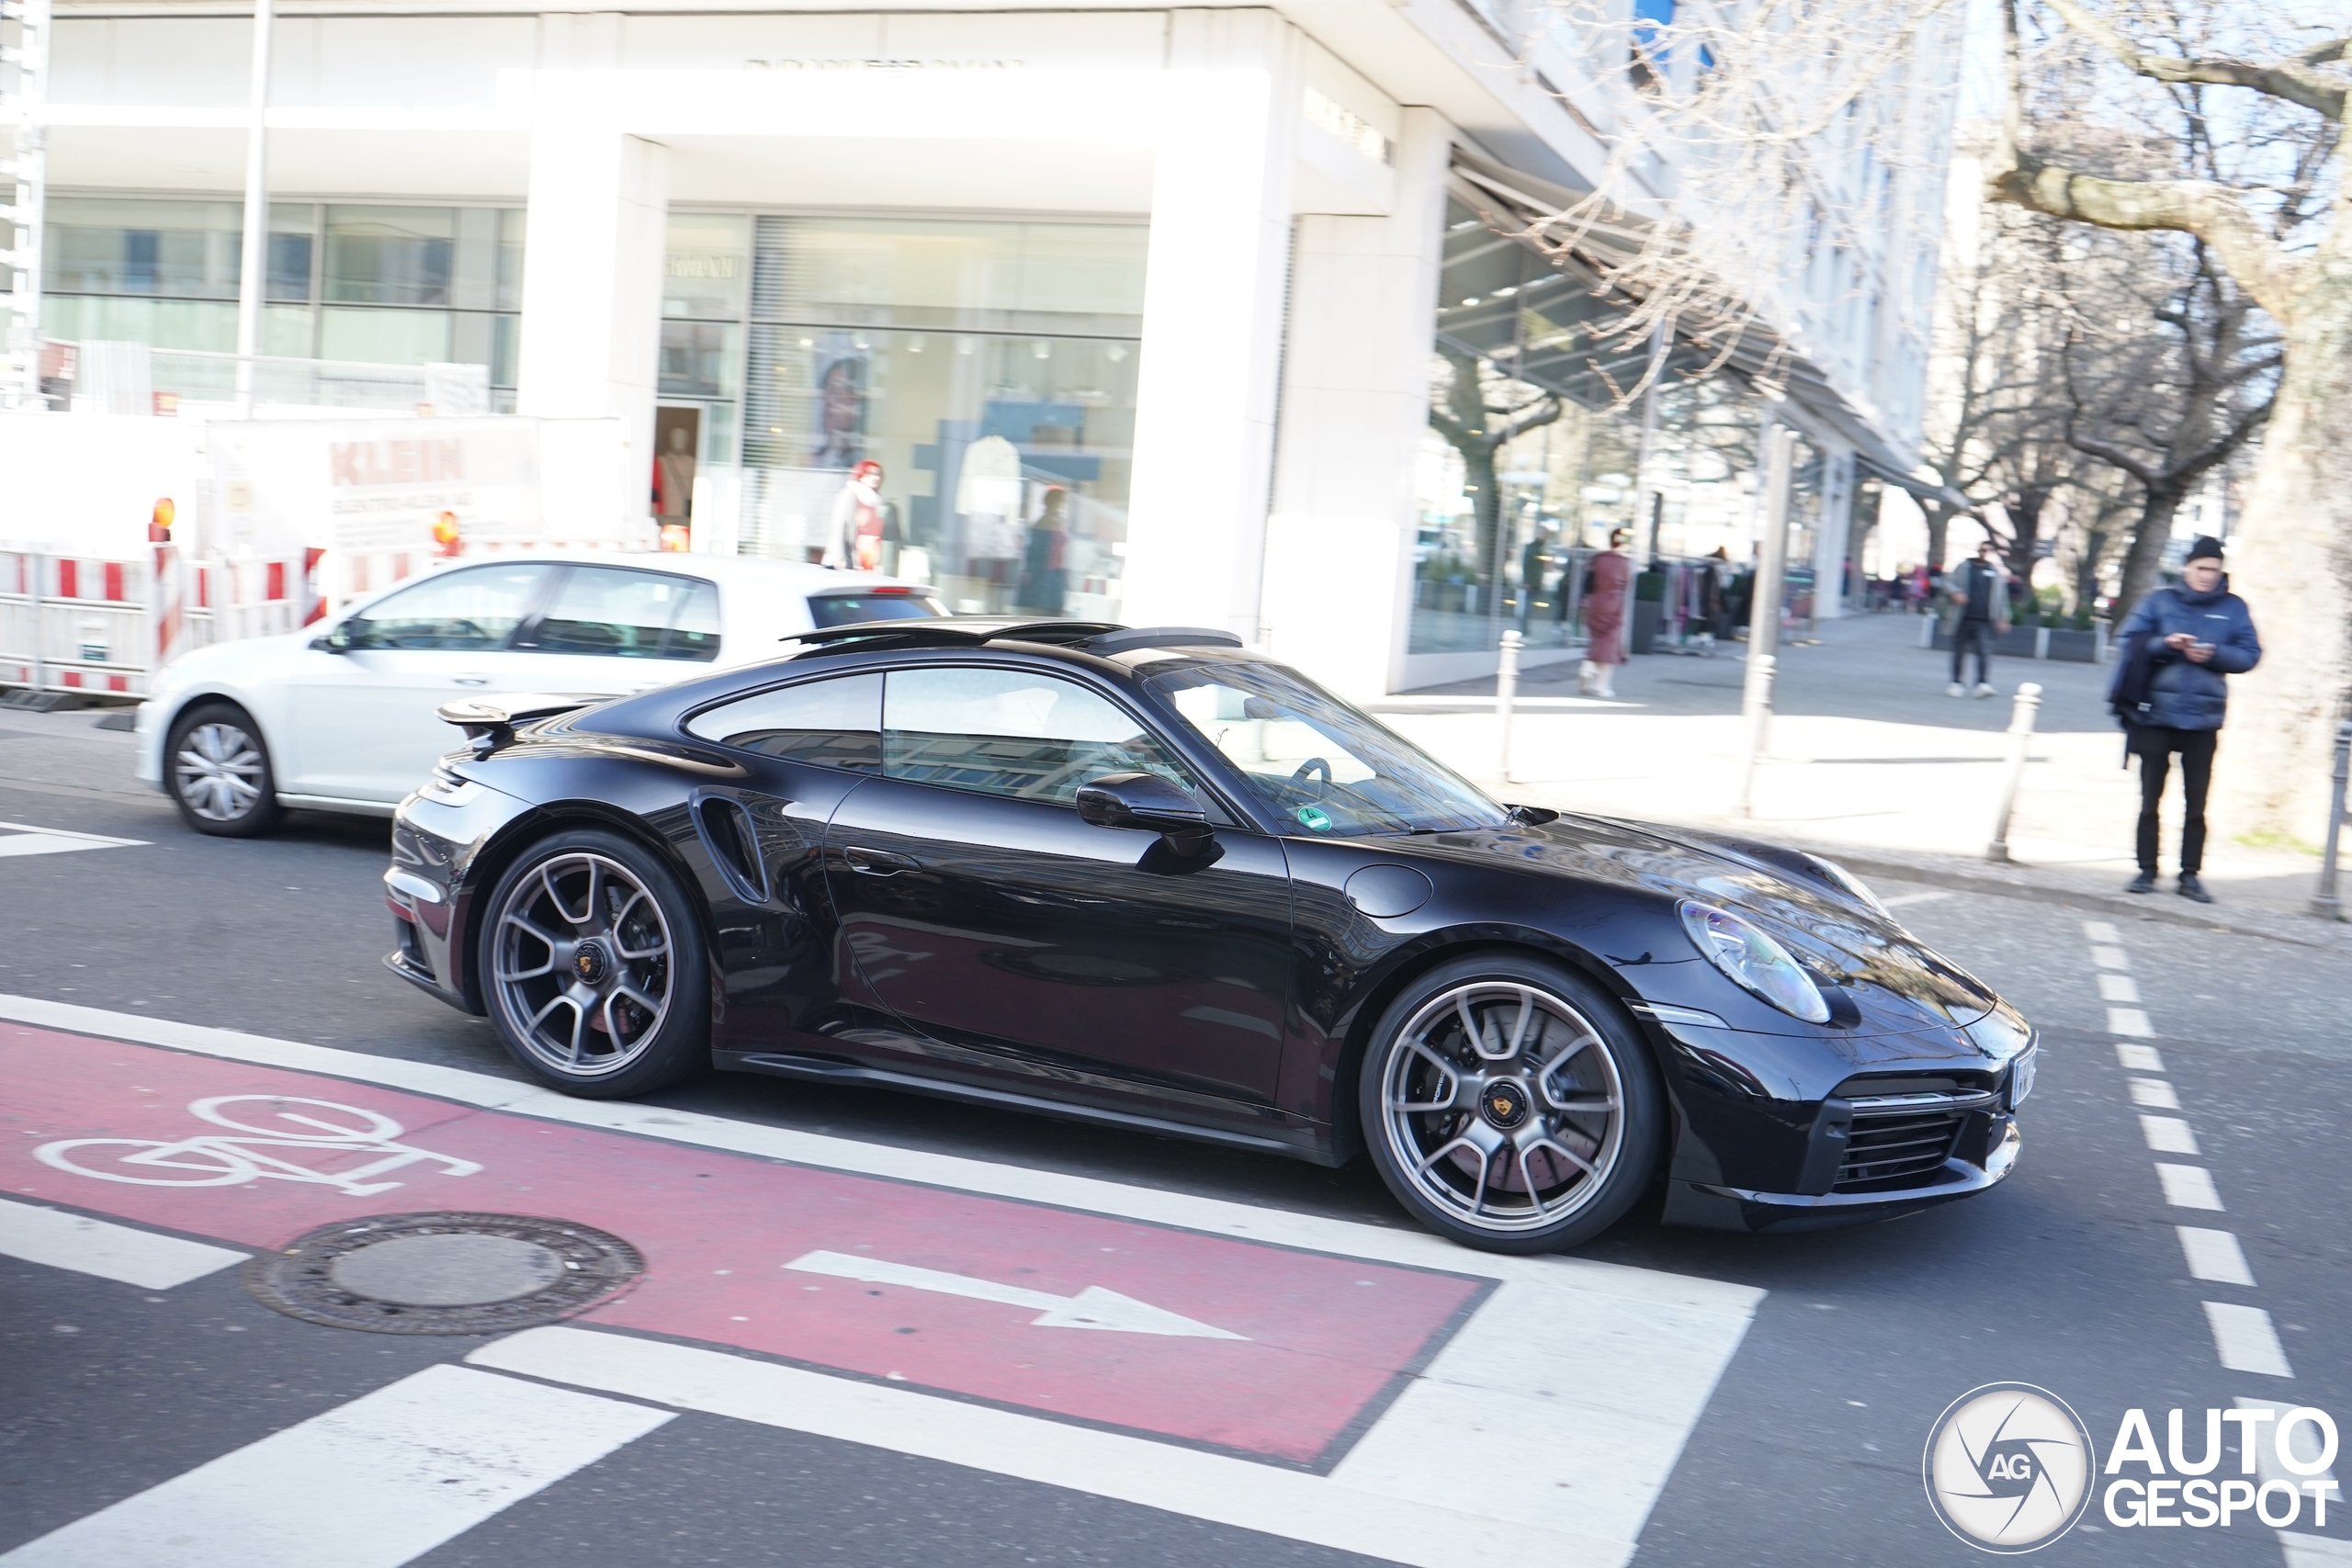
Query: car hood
pixel 1844 940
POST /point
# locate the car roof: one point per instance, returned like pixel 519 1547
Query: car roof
pixel 758 571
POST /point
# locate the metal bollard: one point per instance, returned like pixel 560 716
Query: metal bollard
pixel 2021 718
pixel 2326 905
pixel 1507 692
pixel 1755 706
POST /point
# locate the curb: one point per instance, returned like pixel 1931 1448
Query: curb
pixel 2169 910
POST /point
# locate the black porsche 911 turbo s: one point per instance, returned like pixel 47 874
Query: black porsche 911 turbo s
pixel 1148 878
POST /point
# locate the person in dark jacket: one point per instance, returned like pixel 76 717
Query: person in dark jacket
pixel 2178 646
pixel 1980 595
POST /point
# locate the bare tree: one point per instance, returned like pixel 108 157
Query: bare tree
pixel 2271 90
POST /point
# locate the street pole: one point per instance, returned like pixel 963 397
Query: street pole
pixel 254 254
pixel 2021 718
pixel 22 220
pixel 1506 694
pixel 2326 905
pixel 1764 607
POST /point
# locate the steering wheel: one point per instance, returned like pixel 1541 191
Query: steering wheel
pixel 1313 765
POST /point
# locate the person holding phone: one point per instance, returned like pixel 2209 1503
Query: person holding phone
pixel 2171 694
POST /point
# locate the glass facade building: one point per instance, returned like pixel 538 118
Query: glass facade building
pixel 987 366
pixel 377 283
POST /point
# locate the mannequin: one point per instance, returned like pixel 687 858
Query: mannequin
pixel 855 541
pixel 673 479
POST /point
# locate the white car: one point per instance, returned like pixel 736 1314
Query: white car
pixel 341 717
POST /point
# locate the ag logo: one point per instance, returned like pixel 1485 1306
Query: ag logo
pixel 2008 1467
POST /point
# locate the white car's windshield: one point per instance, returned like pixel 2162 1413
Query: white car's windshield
pixel 1314 761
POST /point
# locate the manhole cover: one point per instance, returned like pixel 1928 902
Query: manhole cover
pixel 443 1274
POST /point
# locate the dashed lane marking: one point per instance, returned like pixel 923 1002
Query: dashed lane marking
pixel 2130 1021
pixel 369 1485
pixel 2245 1340
pixel 2139 1058
pixel 2155 1094
pixel 2117 988
pixel 2189 1186
pixel 59 1240
pixel 2215 1256
pixel 2168 1134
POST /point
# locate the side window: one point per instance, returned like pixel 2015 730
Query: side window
pixel 630 614
pixel 1013 733
pixel 478 607
pixel 829 724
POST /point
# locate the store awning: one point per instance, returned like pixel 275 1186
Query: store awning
pixel 1520 207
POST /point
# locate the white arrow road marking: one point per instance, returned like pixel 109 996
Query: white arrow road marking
pixel 1093 1307
pixel 24 839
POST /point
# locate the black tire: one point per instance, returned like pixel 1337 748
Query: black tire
pixel 217 769
pixel 1558 1098
pixel 594 967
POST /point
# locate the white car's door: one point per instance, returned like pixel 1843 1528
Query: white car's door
pixel 363 716
pixel 611 630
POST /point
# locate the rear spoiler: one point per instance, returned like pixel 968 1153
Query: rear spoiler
pixel 489 722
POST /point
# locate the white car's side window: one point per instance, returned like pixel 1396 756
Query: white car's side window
pixel 477 607
pixel 626 613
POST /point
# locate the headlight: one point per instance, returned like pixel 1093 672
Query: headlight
pixel 1755 961
pixel 1851 883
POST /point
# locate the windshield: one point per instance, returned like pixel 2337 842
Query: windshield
pixel 1314 761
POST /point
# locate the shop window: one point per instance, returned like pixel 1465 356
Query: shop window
pixel 390 255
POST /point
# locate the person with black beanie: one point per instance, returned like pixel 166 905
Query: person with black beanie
pixel 2170 693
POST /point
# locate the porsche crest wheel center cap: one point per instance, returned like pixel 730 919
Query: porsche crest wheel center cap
pixel 1504 1104
pixel 590 964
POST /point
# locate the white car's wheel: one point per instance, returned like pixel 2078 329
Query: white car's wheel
pixel 217 767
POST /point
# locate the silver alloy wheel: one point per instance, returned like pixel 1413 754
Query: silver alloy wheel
pixel 580 963
pixel 219 772
pixel 1502 1106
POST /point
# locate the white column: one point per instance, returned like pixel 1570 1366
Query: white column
pixel 1212 321
pixel 592 273
pixel 1836 528
pixel 1356 409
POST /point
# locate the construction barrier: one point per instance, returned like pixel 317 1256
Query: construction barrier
pixel 75 624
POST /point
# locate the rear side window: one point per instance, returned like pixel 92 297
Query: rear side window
pixel 828 610
pixel 630 614
pixel 1011 732
pixel 826 724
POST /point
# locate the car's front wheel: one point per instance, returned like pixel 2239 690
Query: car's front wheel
pixel 1510 1105
pixel 219 774
pixel 594 968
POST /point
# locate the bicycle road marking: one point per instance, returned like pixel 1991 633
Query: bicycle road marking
pixel 217 1161
pixel 372 1483
pixel 1623 1358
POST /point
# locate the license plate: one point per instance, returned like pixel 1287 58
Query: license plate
pixel 2021 1077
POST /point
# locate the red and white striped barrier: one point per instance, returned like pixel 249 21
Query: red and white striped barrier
pixel 80 624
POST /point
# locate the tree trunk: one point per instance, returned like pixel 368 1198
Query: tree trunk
pixel 1485 506
pixel 2146 551
pixel 2291 562
pixel 1939 536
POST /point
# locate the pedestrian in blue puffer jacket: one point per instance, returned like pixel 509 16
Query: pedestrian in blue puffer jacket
pixel 2171 695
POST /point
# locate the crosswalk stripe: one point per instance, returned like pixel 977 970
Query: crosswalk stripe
pixel 60 1240
pixel 1394 1525
pixel 369 1485
pixel 24 839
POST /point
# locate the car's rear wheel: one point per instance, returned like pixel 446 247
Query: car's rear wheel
pixel 218 772
pixel 1509 1104
pixel 594 967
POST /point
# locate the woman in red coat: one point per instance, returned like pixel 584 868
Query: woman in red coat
pixel 1605 584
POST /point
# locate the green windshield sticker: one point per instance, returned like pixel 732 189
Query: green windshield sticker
pixel 1314 817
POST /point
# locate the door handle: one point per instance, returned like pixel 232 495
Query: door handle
pixel 469 679
pixel 879 863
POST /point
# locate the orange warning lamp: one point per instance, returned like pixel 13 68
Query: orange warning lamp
pixel 159 525
pixel 446 541
pixel 675 537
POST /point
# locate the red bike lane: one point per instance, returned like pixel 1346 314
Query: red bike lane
pixel 1307 1347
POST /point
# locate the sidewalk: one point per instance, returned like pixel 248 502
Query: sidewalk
pixel 1868 759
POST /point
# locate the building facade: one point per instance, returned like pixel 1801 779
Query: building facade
pixel 1142 314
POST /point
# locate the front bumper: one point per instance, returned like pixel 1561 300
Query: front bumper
pixel 1968 1171
pixel 437 844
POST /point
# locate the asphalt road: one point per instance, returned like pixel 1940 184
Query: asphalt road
pixel 2072 1276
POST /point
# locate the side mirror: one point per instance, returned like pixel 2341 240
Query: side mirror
pixel 1143 800
pixel 335 639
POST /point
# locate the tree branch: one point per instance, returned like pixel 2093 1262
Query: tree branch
pixel 2294 81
